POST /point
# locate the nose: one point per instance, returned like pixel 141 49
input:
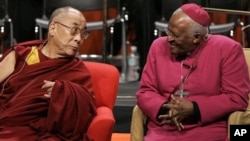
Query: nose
pixel 170 38
pixel 78 37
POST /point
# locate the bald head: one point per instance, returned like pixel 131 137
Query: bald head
pixel 180 17
pixel 62 12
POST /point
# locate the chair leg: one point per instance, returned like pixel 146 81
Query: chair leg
pixel 137 124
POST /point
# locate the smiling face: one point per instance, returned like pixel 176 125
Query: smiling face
pixel 180 36
pixel 66 33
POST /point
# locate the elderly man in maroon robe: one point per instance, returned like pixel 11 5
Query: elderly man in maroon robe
pixel 46 92
pixel 192 80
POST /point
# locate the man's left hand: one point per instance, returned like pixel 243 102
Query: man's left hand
pixel 48 85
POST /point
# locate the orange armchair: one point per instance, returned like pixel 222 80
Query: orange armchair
pixel 105 79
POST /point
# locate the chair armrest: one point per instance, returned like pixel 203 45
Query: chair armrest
pixel 238 118
pixel 137 124
pixel 101 127
pixel 99 24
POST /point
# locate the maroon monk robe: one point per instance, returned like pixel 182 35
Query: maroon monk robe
pixel 26 114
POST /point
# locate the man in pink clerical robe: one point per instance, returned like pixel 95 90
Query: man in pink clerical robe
pixel 192 80
pixel 46 92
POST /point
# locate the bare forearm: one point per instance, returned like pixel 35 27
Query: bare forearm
pixel 7 66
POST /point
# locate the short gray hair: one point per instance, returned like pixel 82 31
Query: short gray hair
pixel 198 28
pixel 59 11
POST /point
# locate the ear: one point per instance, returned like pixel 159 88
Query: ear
pixel 197 38
pixel 52 29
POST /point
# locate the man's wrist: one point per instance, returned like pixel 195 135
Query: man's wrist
pixel 196 111
pixel 162 110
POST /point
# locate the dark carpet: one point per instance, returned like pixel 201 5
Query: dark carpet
pixel 124 105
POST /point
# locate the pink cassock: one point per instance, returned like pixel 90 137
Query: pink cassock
pixel 219 84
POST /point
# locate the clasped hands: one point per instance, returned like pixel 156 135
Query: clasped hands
pixel 178 109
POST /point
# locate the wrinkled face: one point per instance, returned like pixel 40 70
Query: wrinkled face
pixel 68 33
pixel 180 38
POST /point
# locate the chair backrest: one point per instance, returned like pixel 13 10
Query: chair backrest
pixel 105 78
pixel 213 29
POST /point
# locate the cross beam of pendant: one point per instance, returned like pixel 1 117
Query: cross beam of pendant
pixel 181 93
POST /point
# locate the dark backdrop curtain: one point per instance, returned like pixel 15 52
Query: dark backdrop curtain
pixel 142 14
pixel 23 14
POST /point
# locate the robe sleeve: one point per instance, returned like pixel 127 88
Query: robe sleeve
pixel 149 97
pixel 234 84
pixel 72 108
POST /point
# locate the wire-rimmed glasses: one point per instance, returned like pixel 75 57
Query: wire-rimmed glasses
pixel 76 30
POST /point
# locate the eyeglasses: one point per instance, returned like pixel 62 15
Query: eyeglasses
pixel 76 30
pixel 169 33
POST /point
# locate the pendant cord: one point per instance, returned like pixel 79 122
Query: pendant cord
pixel 191 69
pixel 182 81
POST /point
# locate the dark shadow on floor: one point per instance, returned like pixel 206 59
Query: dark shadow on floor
pixel 124 106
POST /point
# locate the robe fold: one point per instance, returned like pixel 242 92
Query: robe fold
pixel 219 85
pixel 26 114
